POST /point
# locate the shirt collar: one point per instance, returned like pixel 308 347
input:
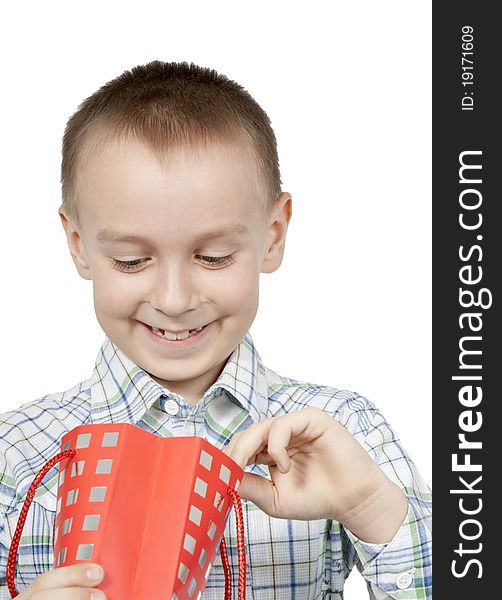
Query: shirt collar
pixel 121 392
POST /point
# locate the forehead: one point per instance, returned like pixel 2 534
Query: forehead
pixel 124 187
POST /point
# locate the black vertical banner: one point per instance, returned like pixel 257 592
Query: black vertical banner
pixel 467 250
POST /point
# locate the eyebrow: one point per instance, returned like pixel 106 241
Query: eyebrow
pixel 110 236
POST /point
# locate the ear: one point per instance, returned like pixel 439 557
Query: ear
pixel 75 244
pixel 276 233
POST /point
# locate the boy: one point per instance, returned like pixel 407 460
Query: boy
pixel 172 207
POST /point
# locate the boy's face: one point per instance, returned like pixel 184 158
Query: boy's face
pixel 176 280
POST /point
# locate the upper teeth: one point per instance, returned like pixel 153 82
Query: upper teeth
pixel 174 336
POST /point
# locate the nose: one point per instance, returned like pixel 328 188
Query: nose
pixel 173 291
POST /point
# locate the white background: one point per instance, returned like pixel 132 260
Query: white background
pixel 347 86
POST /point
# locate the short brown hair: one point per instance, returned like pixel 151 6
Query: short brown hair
pixel 168 105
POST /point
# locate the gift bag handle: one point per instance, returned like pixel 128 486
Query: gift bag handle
pixel 11 562
pixel 236 501
pixel 241 552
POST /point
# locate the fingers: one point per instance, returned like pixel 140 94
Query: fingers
pixel 78 576
pixel 260 491
pixel 282 430
pixel 67 593
pixel 246 444
pixel 275 434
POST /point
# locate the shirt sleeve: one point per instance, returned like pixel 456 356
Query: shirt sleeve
pixel 35 544
pixel 402 568
pixel 4 592
pixel 7 498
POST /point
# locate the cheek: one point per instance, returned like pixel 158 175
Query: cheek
pixel 114 296
pixel 239 289
pixel 234 289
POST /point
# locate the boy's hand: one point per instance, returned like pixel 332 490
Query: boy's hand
pixel 65 583
pixel 319 471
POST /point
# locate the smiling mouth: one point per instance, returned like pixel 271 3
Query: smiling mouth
pixel 168 335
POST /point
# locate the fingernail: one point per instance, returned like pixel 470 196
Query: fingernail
pixel 94 573
pixel 97 596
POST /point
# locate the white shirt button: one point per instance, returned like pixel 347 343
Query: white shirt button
pixel 404 580
pixel 171 407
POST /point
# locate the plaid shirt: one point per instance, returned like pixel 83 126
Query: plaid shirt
pixel 286 559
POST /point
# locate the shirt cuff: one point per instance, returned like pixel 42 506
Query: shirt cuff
pixel 401 568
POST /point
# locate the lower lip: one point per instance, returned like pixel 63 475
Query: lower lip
pixel 191 340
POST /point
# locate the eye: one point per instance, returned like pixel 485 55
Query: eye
pixel 128 265
pixel 218 260
pixel 132 265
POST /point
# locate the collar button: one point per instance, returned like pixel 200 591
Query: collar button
pixel 171 407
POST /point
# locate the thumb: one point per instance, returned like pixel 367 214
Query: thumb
pixel 260 491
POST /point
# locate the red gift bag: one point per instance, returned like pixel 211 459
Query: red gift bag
pixel 150 510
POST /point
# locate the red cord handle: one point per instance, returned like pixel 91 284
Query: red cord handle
pixel 11 562
pixel 241 554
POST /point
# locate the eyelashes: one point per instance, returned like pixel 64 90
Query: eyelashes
pixel 127 265
pixel 134 265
